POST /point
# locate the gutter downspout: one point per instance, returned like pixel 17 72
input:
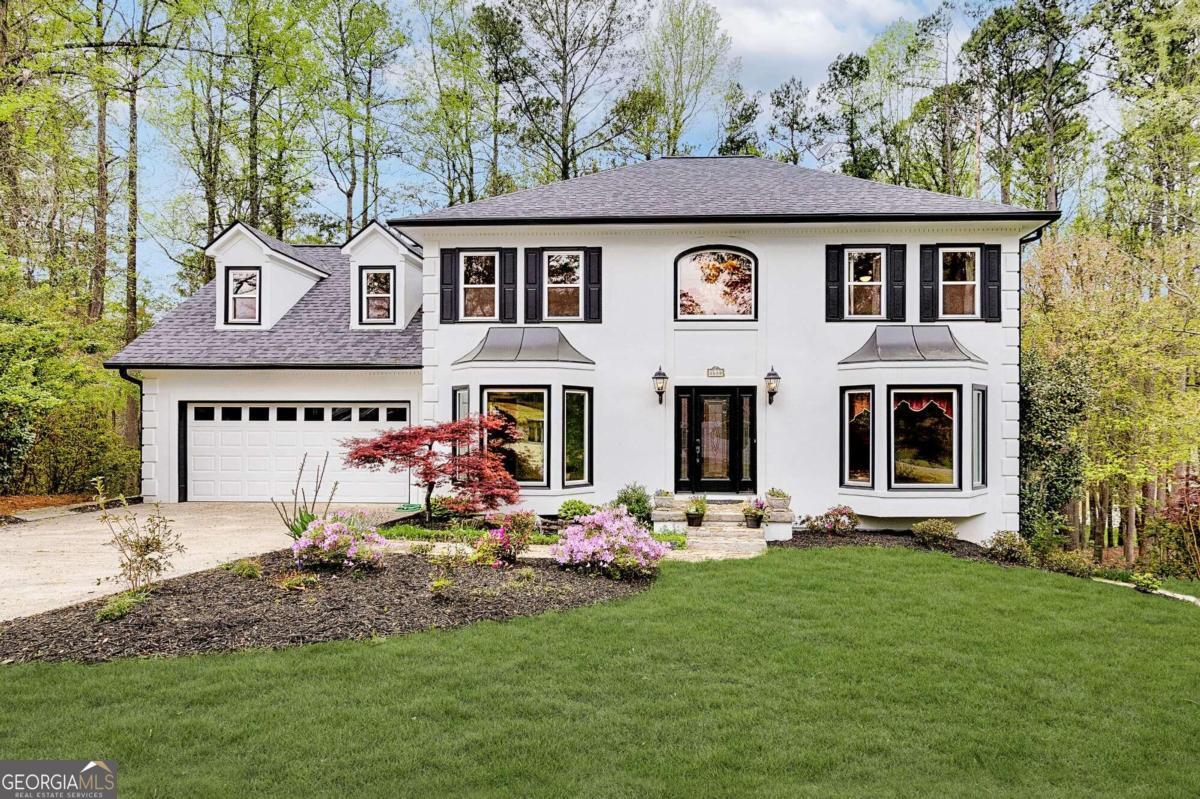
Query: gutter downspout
pixel 123 372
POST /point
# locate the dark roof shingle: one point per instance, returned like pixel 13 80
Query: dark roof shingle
pixel 315 332
pixel 713 188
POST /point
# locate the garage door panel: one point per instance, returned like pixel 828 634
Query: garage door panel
pixel 238 459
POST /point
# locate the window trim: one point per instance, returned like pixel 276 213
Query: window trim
pixel 588 437
pixel 581 285
pixel 977 249
pixel 462 285
pixel 847 283
pixel 363 296
pixel 229 320
pixel 980 420
pixel 546 390
pixel 844 432
pixel 751 317
pixel 956 391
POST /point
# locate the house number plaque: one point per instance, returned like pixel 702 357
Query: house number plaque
pixel 716 371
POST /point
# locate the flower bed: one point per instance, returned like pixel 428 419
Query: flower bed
pixel 612 543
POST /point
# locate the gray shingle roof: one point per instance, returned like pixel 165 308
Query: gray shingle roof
pixel 697 188
pixel 296 253
pixel 314 333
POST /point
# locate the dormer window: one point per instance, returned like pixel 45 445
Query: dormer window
pixel 378 295
pixel 242 295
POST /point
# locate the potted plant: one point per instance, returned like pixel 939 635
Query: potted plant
pixel 778 499
pixel 664 499
pixel 695 511
pixel 754 511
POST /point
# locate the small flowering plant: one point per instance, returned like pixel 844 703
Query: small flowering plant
pixel 755 509
pixel 499 547
pixel 342 539
pixel 838 520
pixel 609 542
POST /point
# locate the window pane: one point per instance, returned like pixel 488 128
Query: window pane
pixel 368 414
pixel 479 302
pixel 575 436
pixel 562 268
pixel 245 308
pixel 260 414
pixel 204 414
pixel 866 300
pixel 462 400
pixel 562 301
pixel 397 414
pixel 684 435
pixel 379 282
pixel 866 267
pixel 231 414
pixel 978 424
pixel 243 281
pixel 923 437
pixel 714 437
pixel 525 458
pixel 747 458
pixel 314 414
pixel 479 270
pixel 379 307
pixel 858 437
pixel 958 300
pixel 339 415
pixel 716 283
pixel 285 414
pixel 958 266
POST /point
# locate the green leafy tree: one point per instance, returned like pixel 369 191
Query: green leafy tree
pixel 739 123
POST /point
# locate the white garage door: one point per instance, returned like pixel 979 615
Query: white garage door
pixel 247 451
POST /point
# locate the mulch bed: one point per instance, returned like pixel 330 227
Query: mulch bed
pixel 873 538
pixel 216 611
pixel 10 505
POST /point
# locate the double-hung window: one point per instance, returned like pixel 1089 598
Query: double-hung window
pixel 563 284
pixel 242 295
pixel 378 300
pixel 864 282
pixel 480 285
pixel 960 282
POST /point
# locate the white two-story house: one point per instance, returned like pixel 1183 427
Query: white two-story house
pixel 704 325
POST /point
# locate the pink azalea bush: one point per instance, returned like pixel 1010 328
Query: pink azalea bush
pixel 499 547
pixel 340 539
pixel 839 520
pixel 609 542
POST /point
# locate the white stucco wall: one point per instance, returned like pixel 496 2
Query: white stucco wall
pixel 798 435
pixel 164 390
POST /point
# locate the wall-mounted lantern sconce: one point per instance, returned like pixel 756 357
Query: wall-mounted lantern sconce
pixel 772 379
pixel 660 384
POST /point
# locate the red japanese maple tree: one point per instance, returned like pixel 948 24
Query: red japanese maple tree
pixel 448 455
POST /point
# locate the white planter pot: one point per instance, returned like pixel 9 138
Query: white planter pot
pixel 778 503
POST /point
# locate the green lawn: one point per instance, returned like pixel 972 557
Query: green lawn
pixel 842 672
pixel 1189 587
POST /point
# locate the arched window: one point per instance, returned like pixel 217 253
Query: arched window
pixel 716 283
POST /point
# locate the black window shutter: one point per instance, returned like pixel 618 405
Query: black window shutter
pixel 834 310
pixel 508 286
pixel 449 287
pixel 592 305
pixel 896 275
pixel 929 283
pixel 991 282
pixel 533 285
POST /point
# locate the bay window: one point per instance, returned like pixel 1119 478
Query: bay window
pixel 978 436
pixel 858 437
pixel 577 436
pixel 715 283
pixel 242 295
pixel 924 441
pixel 526 459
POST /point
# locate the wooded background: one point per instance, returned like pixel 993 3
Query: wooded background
pixel 292 115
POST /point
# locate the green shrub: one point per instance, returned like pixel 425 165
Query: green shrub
pixel 1146 583
pixel 518 523
pixel 636 500
pixel 1075 563
pixel 838 520
pixel 572 508
pixel 1007 546
pixel 1112 573
pixel 440 585
pixel 778 493
pixel 296 581
pixel 118 605
pixel 248 568
pixel 1165 553
pixel 698 505
pixel 676 540
pixel 935 533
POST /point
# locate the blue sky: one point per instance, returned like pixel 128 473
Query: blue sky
pixel 772 40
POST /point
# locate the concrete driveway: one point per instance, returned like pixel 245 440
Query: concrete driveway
pixel 56 562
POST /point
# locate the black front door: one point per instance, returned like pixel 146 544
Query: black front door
pixel 715 440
